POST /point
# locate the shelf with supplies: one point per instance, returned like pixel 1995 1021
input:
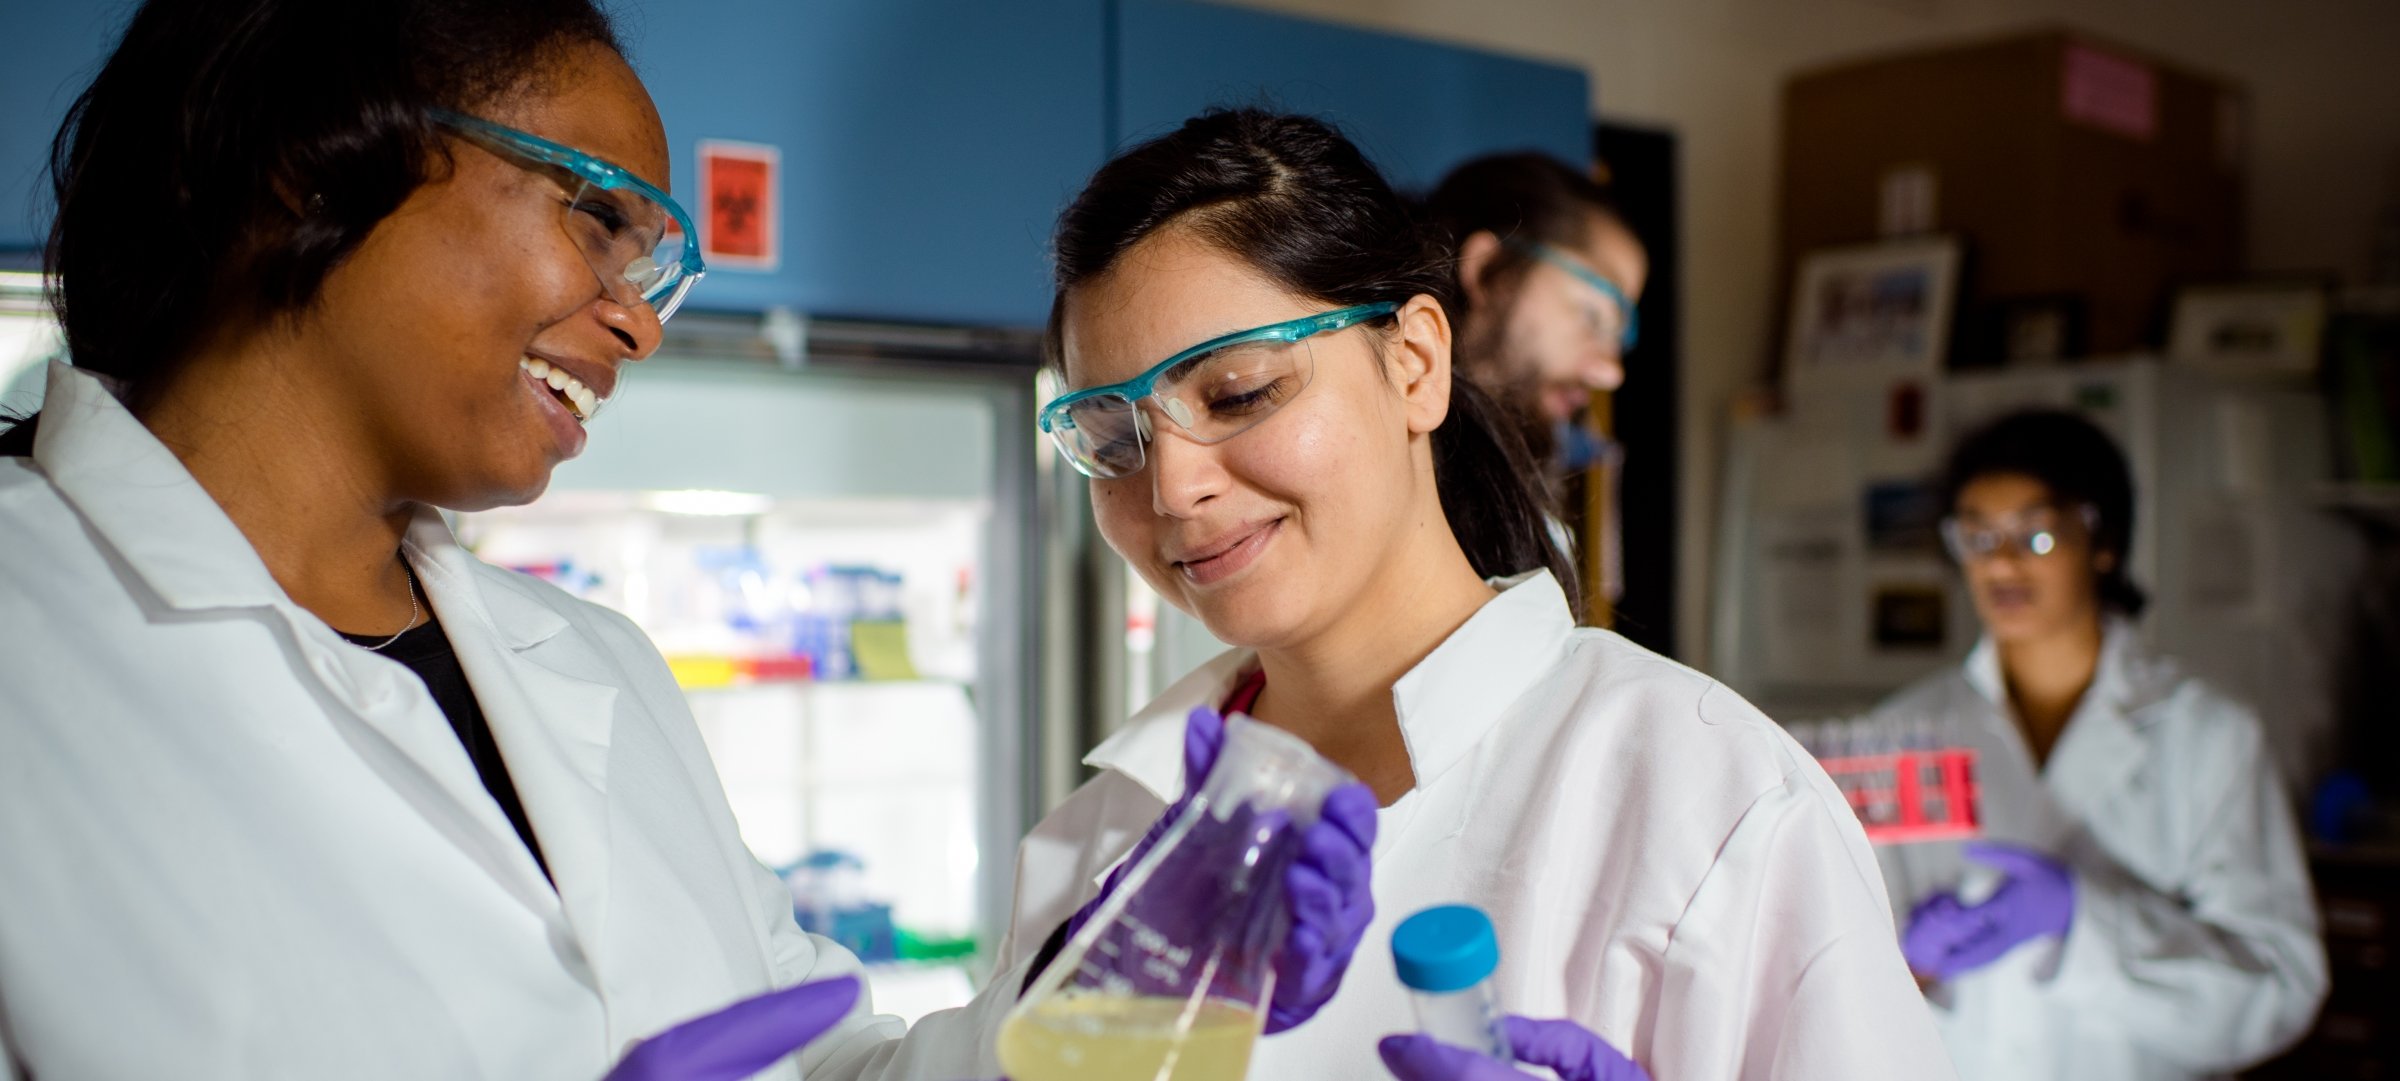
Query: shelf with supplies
pixel 827 646
pixel 2374 502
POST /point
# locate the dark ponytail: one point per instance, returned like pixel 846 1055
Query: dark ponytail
pixel 1488 484
pixel 1293 198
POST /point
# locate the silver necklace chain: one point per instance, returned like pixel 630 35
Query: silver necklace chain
pixel 413 611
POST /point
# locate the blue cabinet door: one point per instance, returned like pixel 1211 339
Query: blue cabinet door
pixel 55 50
pixel 1417 108
pixel 926 145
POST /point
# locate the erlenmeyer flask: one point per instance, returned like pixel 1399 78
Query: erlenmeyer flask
pixel 1171 978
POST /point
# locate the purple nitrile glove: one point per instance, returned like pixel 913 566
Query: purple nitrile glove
pixel 1327 889
pixel 1203 737
pixel 1332 901
pixel 741 1039
pixel 1946 939
pixel 1567 1048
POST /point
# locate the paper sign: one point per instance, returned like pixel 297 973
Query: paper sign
pixel 1801 553
pixel 2110 92
pixel 738 210
pixel 2226 584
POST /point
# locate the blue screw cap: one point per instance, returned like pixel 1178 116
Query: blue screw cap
pixel 1445 948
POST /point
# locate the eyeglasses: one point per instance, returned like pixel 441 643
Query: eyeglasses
pixel 1214 391
pixel 635 237
pixel 1615 321
pixel 2035 533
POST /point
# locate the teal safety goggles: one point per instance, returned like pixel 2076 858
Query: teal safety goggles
pixel 1616 320
pixel 1214 391
pixel 640 243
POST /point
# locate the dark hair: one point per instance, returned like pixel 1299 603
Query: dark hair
pixel 232 152
pixel 2078 463
pixel 1293 198
pixel 1527 197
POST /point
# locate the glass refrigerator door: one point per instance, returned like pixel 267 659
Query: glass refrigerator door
pixel 819 557
pixel 29 338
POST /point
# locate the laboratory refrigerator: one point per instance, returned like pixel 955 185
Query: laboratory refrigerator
pixel 834 532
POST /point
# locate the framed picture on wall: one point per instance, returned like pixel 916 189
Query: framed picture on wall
pixel 2020 331
pixel 2275 326
pixel 1908 616
pixel 1884 308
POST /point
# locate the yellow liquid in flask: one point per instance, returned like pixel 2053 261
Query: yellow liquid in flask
pixel 1117 1038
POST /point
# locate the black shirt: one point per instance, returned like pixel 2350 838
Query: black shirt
pixel 425 650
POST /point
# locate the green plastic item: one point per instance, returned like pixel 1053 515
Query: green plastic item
pixel 916 947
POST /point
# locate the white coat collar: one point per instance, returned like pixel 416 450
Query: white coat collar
pixel 508 605
pixel 1149 748
pixel 2106 739
pixel 554 725
pixel 141 500
pixel 1446 703
pixel 172 533
pixel 554 722
pixel 2126 679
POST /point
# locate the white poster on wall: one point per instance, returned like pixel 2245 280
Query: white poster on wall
pixel 1803 583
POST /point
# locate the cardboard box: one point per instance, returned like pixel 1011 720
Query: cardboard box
pixel 2078 171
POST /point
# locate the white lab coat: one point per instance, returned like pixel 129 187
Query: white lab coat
pixel 2194 948
pixel 1662 863
pixel 233 845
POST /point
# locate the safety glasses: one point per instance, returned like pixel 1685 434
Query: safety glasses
pixel 1214 391
pixel 2036 534
pixel 639 242
pixel 1614 320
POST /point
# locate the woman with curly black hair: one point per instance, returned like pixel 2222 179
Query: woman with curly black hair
pixel 2138 907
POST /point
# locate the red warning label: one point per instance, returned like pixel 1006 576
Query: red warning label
pixel 738 226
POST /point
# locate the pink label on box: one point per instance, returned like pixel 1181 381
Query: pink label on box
pixel 2110 92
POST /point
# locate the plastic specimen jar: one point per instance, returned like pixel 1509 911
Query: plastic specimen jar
pixel 1445 956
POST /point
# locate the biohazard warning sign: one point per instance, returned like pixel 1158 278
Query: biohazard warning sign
pixel 738 212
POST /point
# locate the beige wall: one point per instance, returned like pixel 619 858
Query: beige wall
pixel 2324 79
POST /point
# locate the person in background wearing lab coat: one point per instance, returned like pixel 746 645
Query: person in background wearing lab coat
pixel 1549 276
pixel 2138 907
pixel 292 785
pixel 1257 332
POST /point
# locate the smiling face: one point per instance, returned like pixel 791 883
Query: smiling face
pixel 436 342
pixel 1552 339
pixel 1270 536
pixel 2022 596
